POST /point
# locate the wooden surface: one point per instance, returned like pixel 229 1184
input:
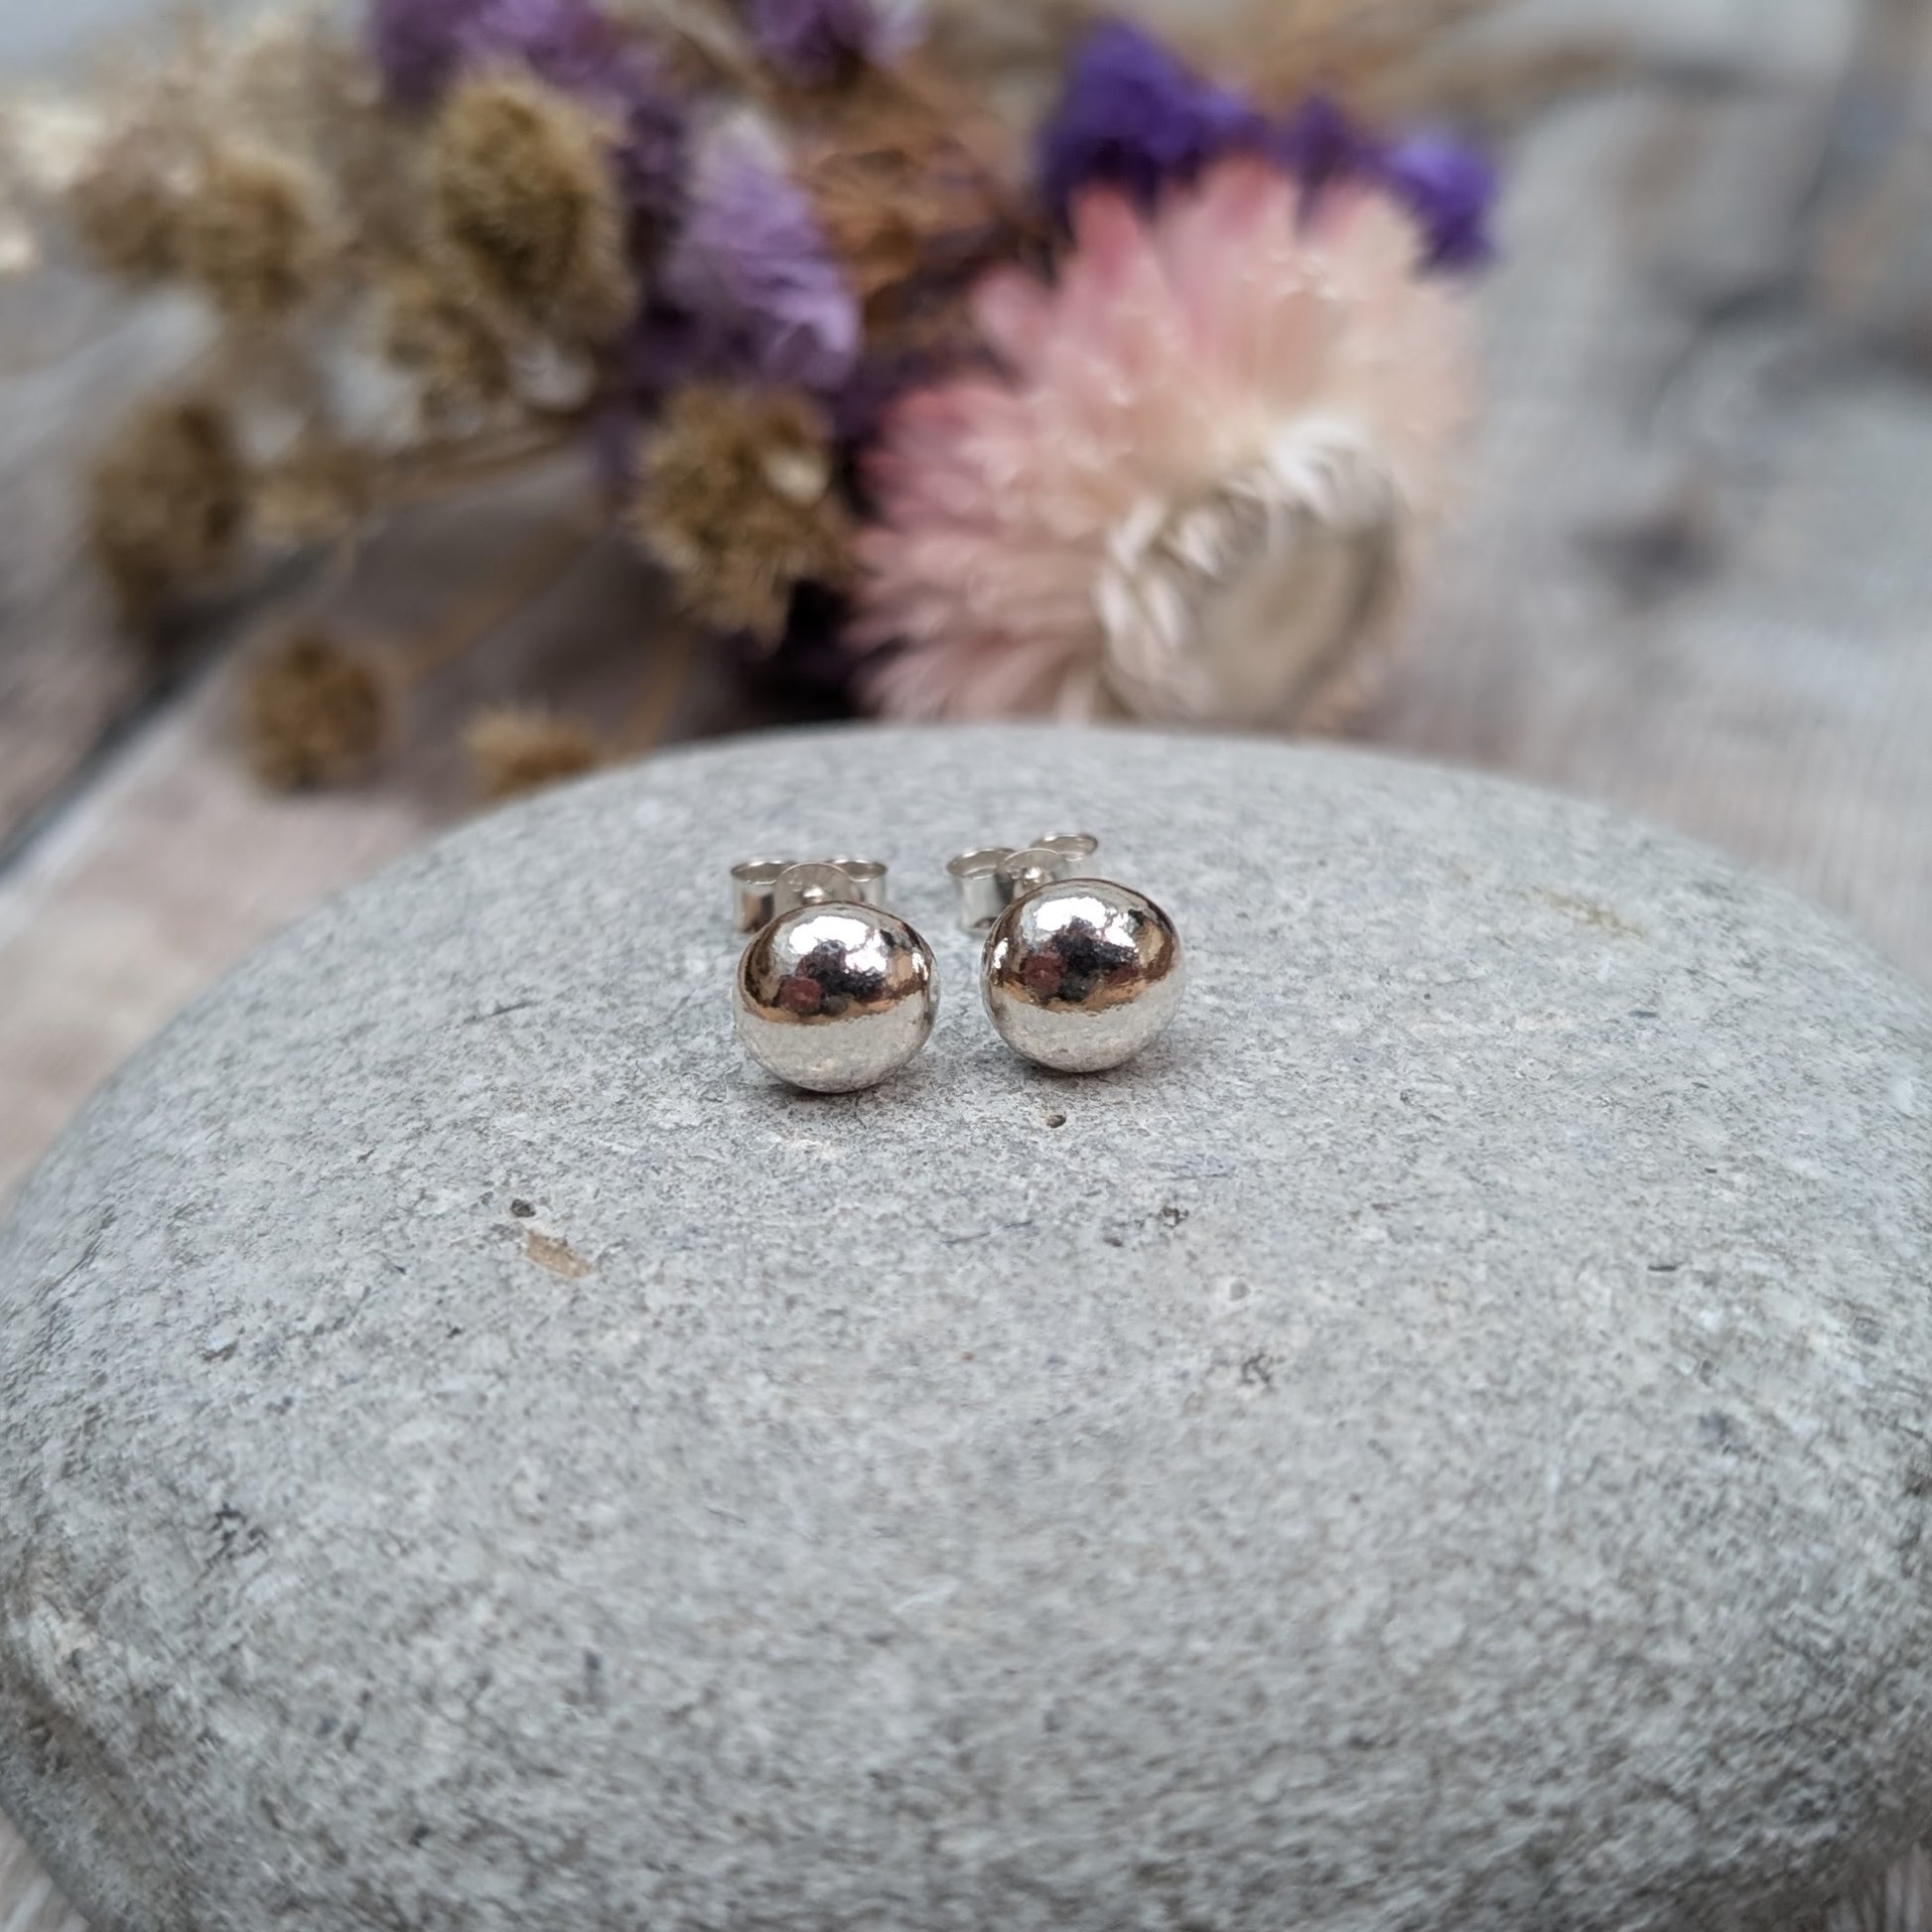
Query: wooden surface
pixel 1696 577
pixel 1693 576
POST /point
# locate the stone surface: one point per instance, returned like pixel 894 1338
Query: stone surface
pixel 1441 1440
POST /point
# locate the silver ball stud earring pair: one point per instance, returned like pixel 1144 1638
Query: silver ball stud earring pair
pixel 835 992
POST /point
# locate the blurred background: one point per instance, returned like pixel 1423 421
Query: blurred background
pixel 1686 566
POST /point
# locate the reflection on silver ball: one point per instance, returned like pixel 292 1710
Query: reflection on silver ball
pixel 1082 976
pixel 836 998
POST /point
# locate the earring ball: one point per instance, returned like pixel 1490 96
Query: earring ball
pixel 1082 975
pixel 836 996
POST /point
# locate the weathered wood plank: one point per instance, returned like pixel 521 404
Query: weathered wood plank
pixel 1691 578
pixel 72 361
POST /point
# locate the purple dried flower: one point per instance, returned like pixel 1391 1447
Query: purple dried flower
pixel 567 42
pixel 652 157
pixel 1451 189
pixel 754 269
pixel 1135 116
pixel 1320 146
pixel 814 42
pixel 418 45
pixel 667 348
pixel 1444 182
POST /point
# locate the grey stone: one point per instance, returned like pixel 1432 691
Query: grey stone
pixel 1442 1440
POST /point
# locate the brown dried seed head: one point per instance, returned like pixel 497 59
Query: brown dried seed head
pixel 250 238
pixel 456 359
pixel 525 206
pixel 315 715
pixel 128 221
pixel 907 192
pixel 517 748
pixel 168 502
pixel 739 503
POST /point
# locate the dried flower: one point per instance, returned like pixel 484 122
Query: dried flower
pixel 739 503
pixel 456 359
pixel 1223 433
pixel 652 156
pixel 418 45
pixel 817 43
pixel 906 199
pixel 314 715
pixel 317 98
pixel 1134 116
pixel 517 748
pixel 421 46
pixel 753 271
pixel 321 489
pixel 567 42
pixel 128 220
pixel 1321 145
pixel 168 503
pixel 250 236
pixel 1451 189
pixel 572 46
pixel 525 206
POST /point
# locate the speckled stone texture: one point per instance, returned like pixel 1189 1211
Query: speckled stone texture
pixel 1444 1440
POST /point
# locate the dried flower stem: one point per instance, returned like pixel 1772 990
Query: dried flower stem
pixel 671 668
pixel 436 471
pixel 533 568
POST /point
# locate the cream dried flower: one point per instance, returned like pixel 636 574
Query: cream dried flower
pixel 739 503
pixel 249 234
pixel 1219 443
pixel 314 714
pixel 517 748
pixel 457 360
pixel 168 502
pixel 524 200
pixel 127 216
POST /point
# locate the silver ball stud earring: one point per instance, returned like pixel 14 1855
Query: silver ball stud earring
pixel 833 993
pixel 1079 974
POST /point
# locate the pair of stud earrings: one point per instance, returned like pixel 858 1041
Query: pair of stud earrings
pixel 835 992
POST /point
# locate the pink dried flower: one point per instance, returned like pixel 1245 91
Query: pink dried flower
pixel 1192 494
